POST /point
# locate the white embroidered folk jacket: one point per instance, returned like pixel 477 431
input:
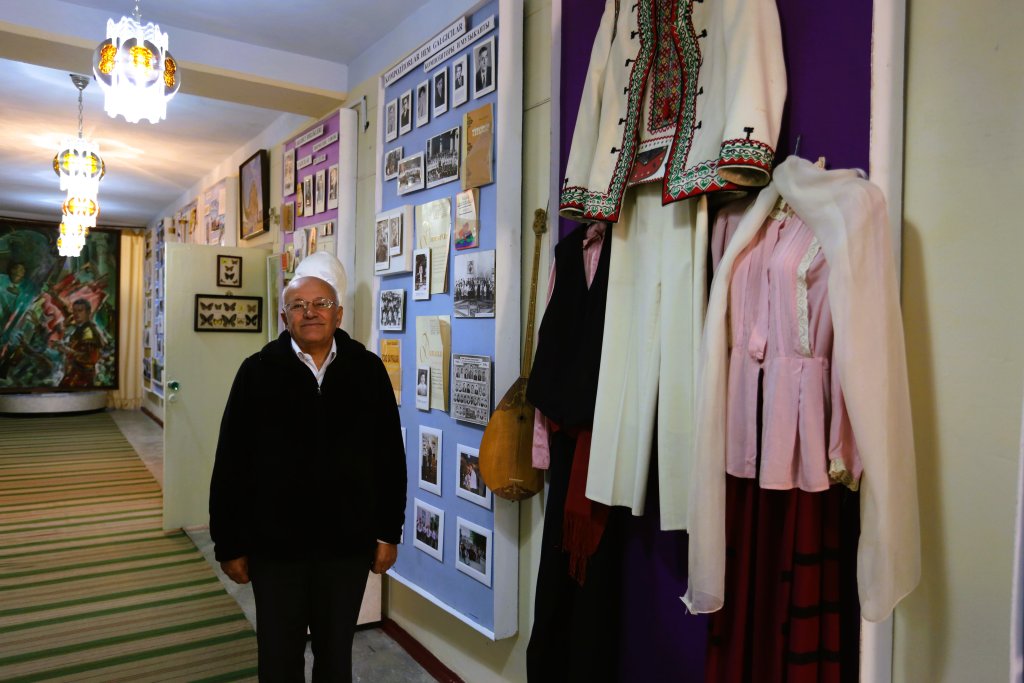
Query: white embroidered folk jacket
pixel 848 216
pixel 688 93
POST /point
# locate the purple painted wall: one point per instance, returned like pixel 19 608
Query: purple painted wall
pixel 331 125
pixel 828 60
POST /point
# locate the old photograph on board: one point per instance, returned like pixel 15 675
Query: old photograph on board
pixel 484 77
pixel 471 388
pixel 474 284
pixel 421 274
pixel 405 112
pixel 423 104
pixel 469 483
pixel 430 459
pixel 392 310
pixel 410 173
pixel 381 250
pixel 460 81
pixel 391 159
pixel 473 550
pixel 391 119
pixel 443 157
pixel 440 81
pixel 423 387
pixel 429 535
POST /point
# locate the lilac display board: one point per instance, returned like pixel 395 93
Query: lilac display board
pixel 315 151
pixel 434 558
pixel 827 50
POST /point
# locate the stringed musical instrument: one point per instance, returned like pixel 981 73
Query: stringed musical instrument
pixel 506 450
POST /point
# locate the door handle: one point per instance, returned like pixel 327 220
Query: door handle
pixel 173 386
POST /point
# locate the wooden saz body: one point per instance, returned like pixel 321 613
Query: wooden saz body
pixel 506 449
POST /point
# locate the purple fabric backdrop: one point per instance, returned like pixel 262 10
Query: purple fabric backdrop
pixel 827 52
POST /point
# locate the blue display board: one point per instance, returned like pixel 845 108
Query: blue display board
pixel 463 554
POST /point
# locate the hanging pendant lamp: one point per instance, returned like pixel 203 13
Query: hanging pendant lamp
pixel 136 72
pixel 80 168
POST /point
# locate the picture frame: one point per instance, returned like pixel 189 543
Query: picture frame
pixel 485 76
pixel 300 204
pixel 421 274
pixel 289 173
pixel 381 242
pixel 307 195
pixel 391 159
pixel 428 529
pixel 332 186
pixel 395 235
pixel 391 310
pixel 423 103
pixel 229 271
pixel 460 80
pixel 224 313
pixel 311 235
pixel 405 112
pixel 444 157
pixel 288 216
pixel 391 120
pixel 410 174
pixel 469 483
pixel 429 470
pixel 471 388
pixel 439 88
pixel 473 545
pixel 254 195
pixel 320 194
pixel 423 387
pixel 475 284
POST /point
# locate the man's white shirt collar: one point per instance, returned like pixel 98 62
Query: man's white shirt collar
pixel 307 360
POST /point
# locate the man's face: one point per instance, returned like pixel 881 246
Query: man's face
pixel 485 59
pixel 458 71
pixel 80 313
pixel 311 327
pixel 17 273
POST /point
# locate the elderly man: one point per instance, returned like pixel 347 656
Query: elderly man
pixel 308 489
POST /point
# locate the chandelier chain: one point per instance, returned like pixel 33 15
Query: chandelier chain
pixel 138 13
pixel 79 114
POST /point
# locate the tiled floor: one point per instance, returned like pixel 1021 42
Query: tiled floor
pixel 376 658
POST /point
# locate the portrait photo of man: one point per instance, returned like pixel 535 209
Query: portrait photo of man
pixel 440 92
pixel 405 112
pixel 460 88
pixel 483 69
pixel 423 104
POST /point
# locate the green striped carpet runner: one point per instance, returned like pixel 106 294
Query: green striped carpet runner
pixel 91 588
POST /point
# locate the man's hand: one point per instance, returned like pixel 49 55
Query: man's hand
pixel 237 569
pixel 384 558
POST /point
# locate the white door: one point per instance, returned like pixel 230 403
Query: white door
pixel 198 370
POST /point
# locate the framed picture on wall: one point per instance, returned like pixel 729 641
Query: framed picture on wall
pixel 423 104
pixel 307 195
pixel 423 387
pixel 216 313
pixel 421 274
pixel 321 192
pixel 392 310
pixel 460 81
pixel 391 120
pixel 473 556
pixel 484 78
pixel 429 536
pixel 391 159
pixel 443 157
pixel 410 173
pixel 253 195
pixel 289 172
pixel 405 112
pixel 332 186
pixel 229 271
pixel 440 81
pixel 430 459
pixel 469 484
pixel 288 217
pixel 381 242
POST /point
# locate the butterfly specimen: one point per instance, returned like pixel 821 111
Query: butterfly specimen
pixel 252 319
pixel 206 319
pixel 229 321
pixel 205 307
pixel 229 307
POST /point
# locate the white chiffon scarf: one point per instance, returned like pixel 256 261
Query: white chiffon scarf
pixel 848 216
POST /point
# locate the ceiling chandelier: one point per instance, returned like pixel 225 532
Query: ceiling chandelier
pixel 80 168
pixel 137 74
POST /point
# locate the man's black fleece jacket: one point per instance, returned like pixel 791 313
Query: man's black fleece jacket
pixel 303 471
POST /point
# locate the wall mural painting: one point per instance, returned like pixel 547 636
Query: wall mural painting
pixel 58 315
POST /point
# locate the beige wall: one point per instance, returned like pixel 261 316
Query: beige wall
pixel 963 301
pixel 465 651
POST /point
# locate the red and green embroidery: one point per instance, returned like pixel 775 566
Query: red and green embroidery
pixel 667 73
pixel 677 178
pixel 746 152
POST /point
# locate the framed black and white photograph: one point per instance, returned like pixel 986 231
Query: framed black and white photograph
pixel 471 388
pixel 430 459
pixel 332 186
pixel 405 112
pixel 484 76
pixel 410 173
pixel 307 195
pixel 440 81
pixel 321 192
pixel 429 522
pixel 229 271
pixel 474 285
pixel 443 157
pixel 254 195
pixel 391 159
pixel 392 310
pixel 469 484
pixel 423 104
pixel 473 556
pixel 289 172
pixel 423 387
pixel 381 251
pixel 391 119
pixel 421 274
pixel 395 235
pixel 217 313
pixel 460 81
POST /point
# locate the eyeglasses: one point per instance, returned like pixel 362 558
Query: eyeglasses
pixel 300 306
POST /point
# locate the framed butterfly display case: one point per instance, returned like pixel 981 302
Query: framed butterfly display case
pixel 229 271
pixel 219 313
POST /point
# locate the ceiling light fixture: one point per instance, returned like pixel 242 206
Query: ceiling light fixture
pixel 80 168
pixel 136 72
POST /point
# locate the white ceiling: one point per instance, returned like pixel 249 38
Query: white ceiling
pixel 150 166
